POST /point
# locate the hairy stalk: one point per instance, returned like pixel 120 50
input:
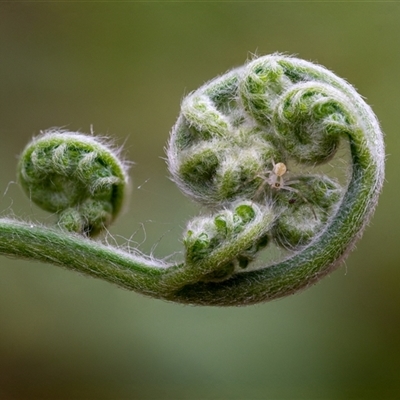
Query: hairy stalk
pixel 228 150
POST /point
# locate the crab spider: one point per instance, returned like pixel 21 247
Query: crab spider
pixel 274 178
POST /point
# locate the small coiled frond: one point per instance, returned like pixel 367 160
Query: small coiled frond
pixel 75 176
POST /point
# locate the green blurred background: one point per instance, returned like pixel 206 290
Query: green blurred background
pixel 124 67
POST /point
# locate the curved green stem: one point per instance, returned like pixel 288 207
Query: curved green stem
pixel 131 271
pixel 28 241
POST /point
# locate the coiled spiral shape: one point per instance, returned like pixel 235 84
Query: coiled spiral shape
pixel 225 147
pixel 76 177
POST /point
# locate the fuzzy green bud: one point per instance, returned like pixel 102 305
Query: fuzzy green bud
pixel 205 236
pixel 77 177
pixel 311 119
pixel 306 209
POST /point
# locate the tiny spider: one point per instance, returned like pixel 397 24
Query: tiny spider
pixel 275 176
pixel 275 179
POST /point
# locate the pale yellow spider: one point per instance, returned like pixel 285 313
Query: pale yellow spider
pixel 275 180
pixel 275 176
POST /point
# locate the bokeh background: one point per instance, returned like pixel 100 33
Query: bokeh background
pixel 123 68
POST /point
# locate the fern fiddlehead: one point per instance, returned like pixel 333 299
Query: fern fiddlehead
pixel 228 150
pixel 77 177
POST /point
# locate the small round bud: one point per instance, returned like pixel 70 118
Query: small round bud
pixel 223 169
pixel 206 235
pixel 310 120
pixel 297 228
pixel 263 81
pixel 75 176
pixel 306 209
